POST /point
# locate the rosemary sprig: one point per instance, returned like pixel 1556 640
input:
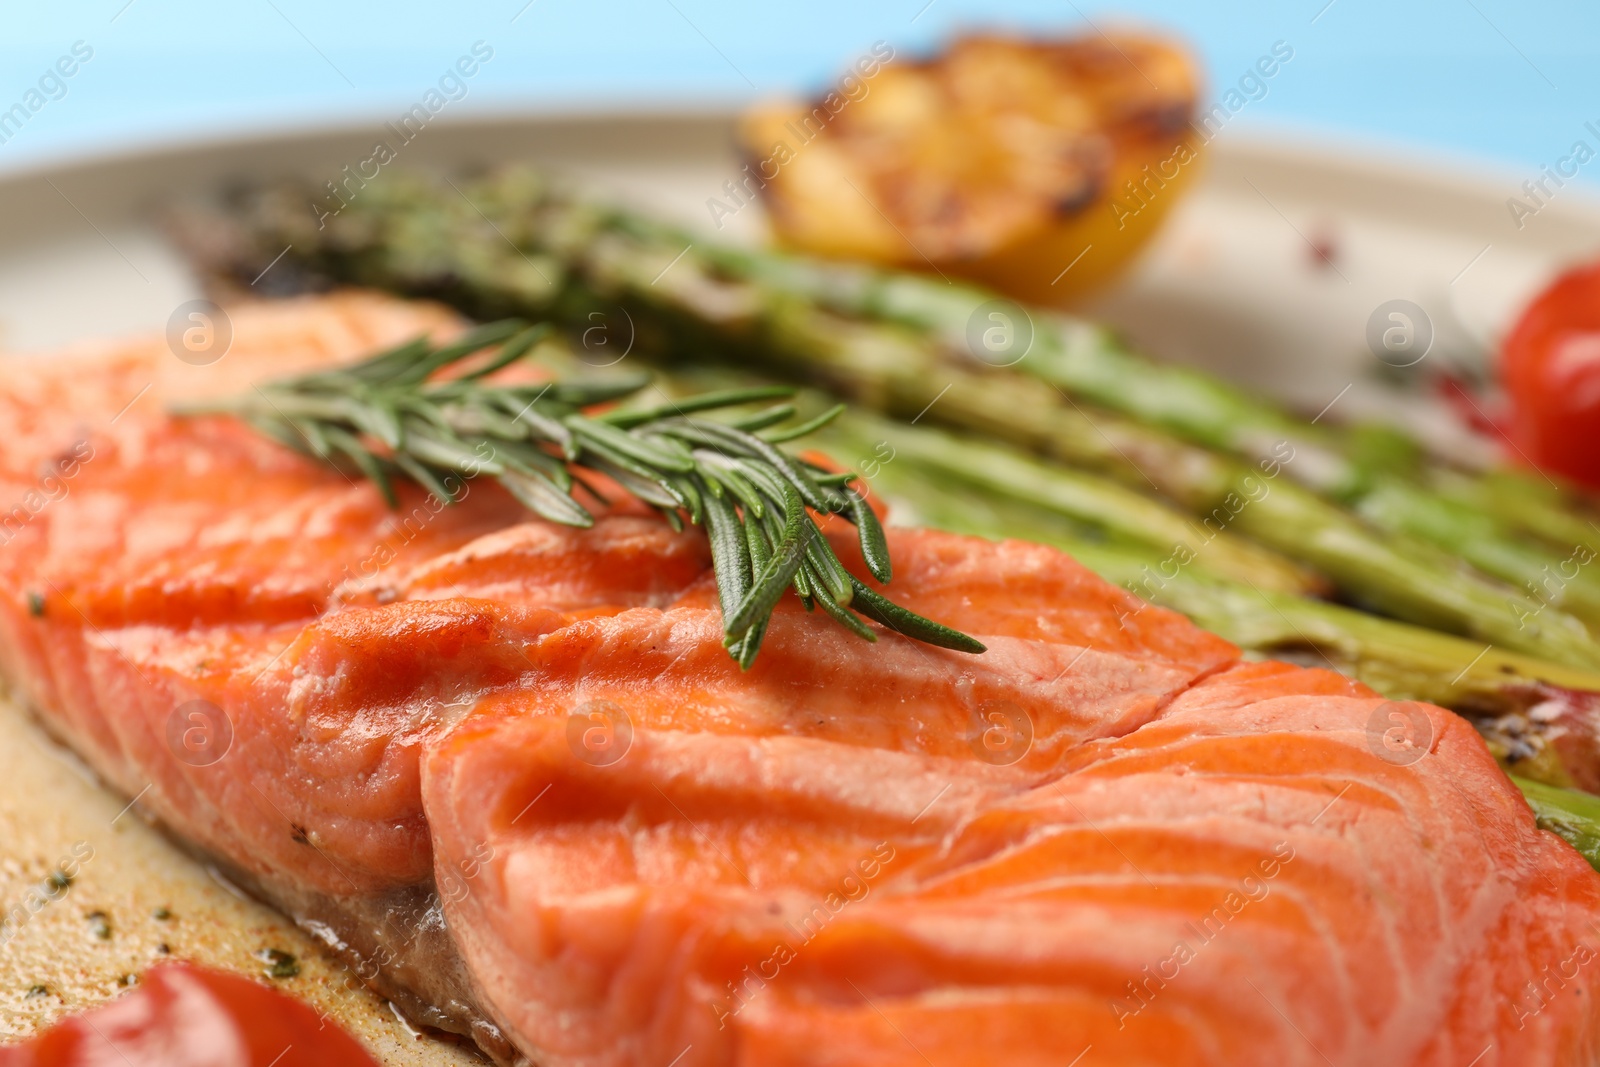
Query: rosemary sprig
pixel 393 416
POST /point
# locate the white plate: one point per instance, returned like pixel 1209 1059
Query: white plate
pixel 1232 283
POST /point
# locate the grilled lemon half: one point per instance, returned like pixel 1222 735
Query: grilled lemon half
pixel 1038 167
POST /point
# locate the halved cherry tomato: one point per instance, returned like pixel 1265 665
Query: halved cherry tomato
pixel 187 1016
pixel 1550 366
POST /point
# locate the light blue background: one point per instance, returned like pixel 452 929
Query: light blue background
pixel 1504 81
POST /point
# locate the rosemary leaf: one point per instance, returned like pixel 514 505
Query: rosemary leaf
pixel 626 419
pixel 378 419
pixel 640 483
pixel 528 459
pixel 838 612
pixel 543 426
pixel 446 450
pixel 881 609
pixel 760 548
pixel 477 419
pixel 546 499
pixel 633 446
pixel 512 351
pixel 730 552
pixel 312 432
pixel 809 426
pixel 692 497
pixel 764 418
pixel 744 650
pixel 840 478
pixel 423 475
pixel 874 545
pixel 778 573
pixel 475 340
pixel 365 460
pixel 827 573
pixel 583 394
pixel 727 472
pixel 384 366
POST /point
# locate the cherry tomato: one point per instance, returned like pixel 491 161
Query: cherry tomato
pixel 186 1016
pixel 1550 366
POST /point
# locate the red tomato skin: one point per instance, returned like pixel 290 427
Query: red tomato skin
pixel 181 1015
pixel 1550 367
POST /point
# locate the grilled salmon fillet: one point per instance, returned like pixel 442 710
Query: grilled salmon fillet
pixel 509 772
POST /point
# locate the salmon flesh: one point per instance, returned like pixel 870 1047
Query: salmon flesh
pixel 508 771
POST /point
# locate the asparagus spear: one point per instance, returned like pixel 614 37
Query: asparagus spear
pixel 1381 475
pixel 1545 578
pixel 1542 508
pixel 1571 815
pixel 1085 498
pixel 416 239
pixel 1088 361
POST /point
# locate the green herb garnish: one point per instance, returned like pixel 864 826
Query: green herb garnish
pixel 280 964
pixel 389 417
